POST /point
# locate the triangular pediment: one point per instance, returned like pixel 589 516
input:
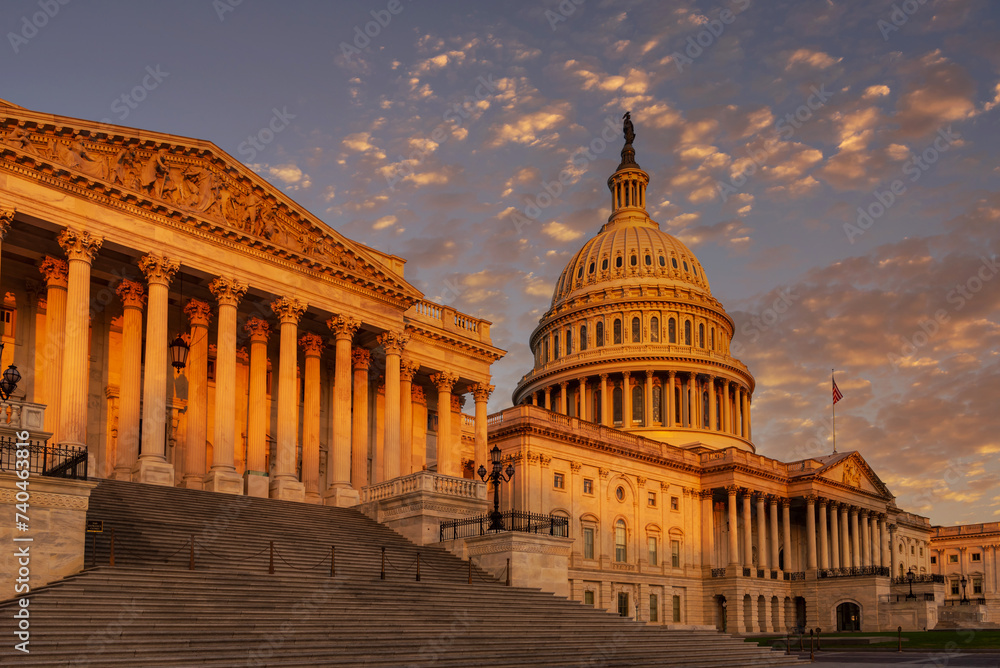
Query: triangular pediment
pixel 851 470
pixel 192 181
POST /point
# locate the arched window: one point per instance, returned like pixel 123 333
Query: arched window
pixel 637 404
pixel 583 337
pixel 687 332
pixel 598 416
pixel 704 409
pixel 649 259
pixel 654 329
pixel 618 331
pixel 616 406
pixel 590 270
pixel 618 262
pixel 621 549
pixel 555 346
pixel 579 274
pixel 599 334
pixel 671 330
pixel 701 335
pixel 545 345
pixel 657 399
pixel 663 261
pixel 569 341
pixel 636 330
pixel 604 264
pixel 711 339
pixel 685 265
pixel 633 260
pixel 673 261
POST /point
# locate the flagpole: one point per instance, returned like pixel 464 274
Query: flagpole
pixel 833 408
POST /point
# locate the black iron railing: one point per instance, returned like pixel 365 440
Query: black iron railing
pixel 59 461
pixel 513 520
pixel 925 577
pixel 854 571
pixel 965 601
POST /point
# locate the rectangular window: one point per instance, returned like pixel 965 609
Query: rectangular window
pixel 7 317
pixel 933 560
pixel 954 587
pixel 675 553
pixel 952 558
pixel 977 586
pixel 588 486
pixel 622 604
pixel 559 481
pixel 976 556
pixel 211 372
pixel 588 543
pixel 588 597
pixel 675 503
pixel 652 551
pixel 677 608
pixel 651 499
pixel 654 608
pixel 569 341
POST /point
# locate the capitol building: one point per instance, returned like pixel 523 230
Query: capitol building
pixel 179 321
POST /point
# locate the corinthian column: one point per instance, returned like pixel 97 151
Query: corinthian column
pixel 312 348
pixel 824 536
pixel 255 479
pixel 223 476
pixel 834 537
pixel 407 370
pixel 360 358
pixel 481 393
pixel 285 484
pixel 6 218
pixel 447 458
pixel 152 466
pixel 669 391
pixel 810 534
pixel 56 272
pixel 626 400
pixel 133 297
pixel 199 315
pixel 80 247
pixel 605 402
pixel 713 400
pixel 393 343
pixel 734 544
pixel 338 468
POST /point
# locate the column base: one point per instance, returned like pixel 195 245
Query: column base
pixel 255 484
pixel 192 482
pixel 341 497
pixel 314 497
pixel 287 490
pixel 153 472
pixel 226 482
pixel 121 474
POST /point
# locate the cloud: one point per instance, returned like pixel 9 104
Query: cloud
pixel 560 232
pixel 939 92
pixel 813 59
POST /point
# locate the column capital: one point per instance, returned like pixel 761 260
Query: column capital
pixel 575 466
pixel 785 503
pixel 417 394
pixel 80 245
pixel 199 313
pixel 6 218
pixel 482 391
pixel 810 499
pixel 564 384
pixel 55 271
pixel 707 493
pixel 288 309
pixel 393 342
pixel 360 357
pixel 603 472
pixel 671 374
pixel 228 292
pixel 626 375
pixel 649 373
pixel 242 355
pixel 132 294
pixel 733 490
pixel 457 401
pixel 604 377
pixel 444 381
pixel 832 505
pixel 158 269
pixel 407 370
pixel 343 327
pixel 311 344
pixel 854 510
pixel 257 329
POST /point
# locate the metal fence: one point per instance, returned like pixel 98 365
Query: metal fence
pixel 58 461
pixel 513 520
pixel 925 577
pixel 854 571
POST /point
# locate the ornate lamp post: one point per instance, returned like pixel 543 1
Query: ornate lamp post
pixel 964 581
pixel 496 476
pixel 909 578
pixel 11 377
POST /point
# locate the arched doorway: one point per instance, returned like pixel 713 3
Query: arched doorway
pixel 800 613
pixel 848 617
pixel 720 613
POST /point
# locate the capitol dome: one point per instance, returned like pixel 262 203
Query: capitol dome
pixel 633 320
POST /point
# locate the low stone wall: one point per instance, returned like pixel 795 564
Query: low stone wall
pixel 536 560
pixel 57 513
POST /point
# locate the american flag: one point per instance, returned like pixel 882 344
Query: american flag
pixel 837 396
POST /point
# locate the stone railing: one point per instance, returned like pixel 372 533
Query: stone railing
pixel 853 572
pixel 967 529
pixel 22 415
pixel 425 481
pixel 718 572
pixel 735 456
pixel 923 577
pixel 448 319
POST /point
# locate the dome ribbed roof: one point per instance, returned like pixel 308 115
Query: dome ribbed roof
pixel 630 252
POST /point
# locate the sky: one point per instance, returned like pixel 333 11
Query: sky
pixel 832 164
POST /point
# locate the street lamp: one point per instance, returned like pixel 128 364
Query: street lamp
pixel 909 578
pixel 10 379
pixel 179 349
pixel 964 581
pixel 496 476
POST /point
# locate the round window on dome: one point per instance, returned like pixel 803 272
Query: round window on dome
pixel 663 261
pixel 634 260
pixel 685 265
pixel 649 260
pixel 694 269
pixel 591 269
pixel 673 261
pixel 618 261
pixel 604 265
pixel 579 274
